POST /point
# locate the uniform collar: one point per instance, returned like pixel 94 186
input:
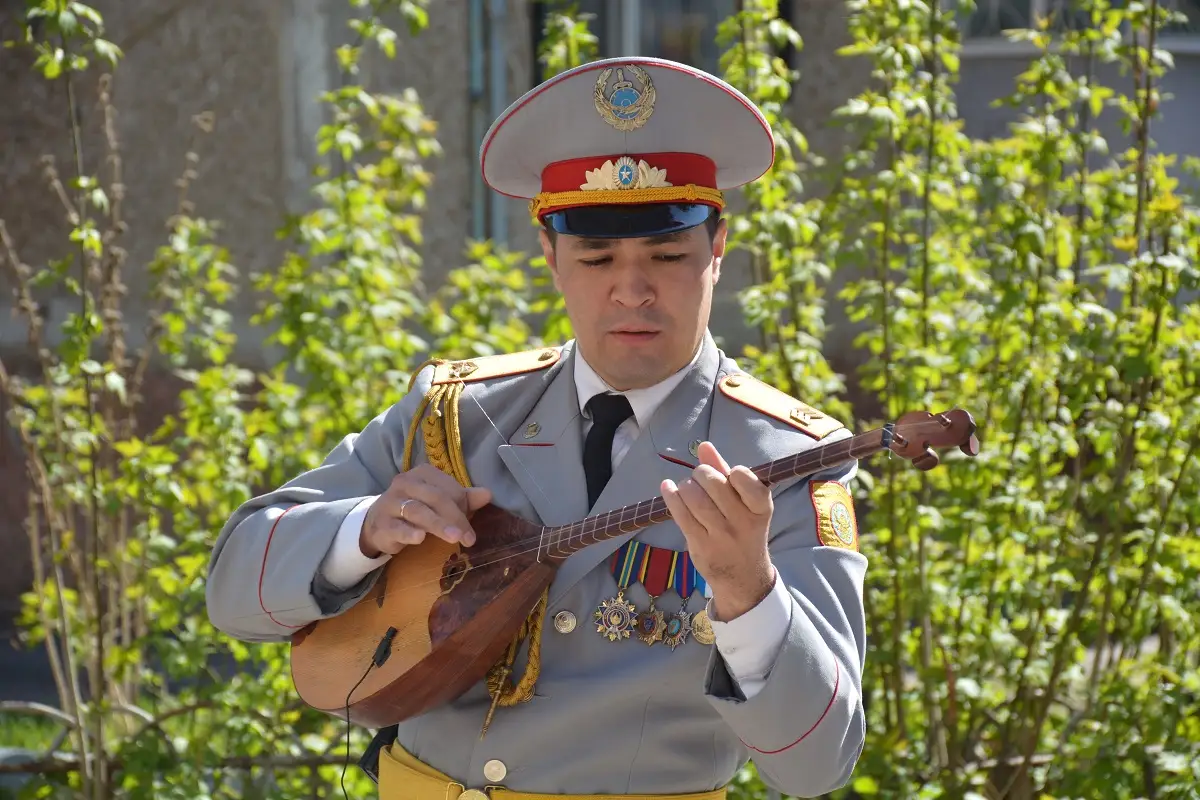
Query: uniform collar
pixel 643 401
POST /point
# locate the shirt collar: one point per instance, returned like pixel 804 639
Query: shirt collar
pixel 643 401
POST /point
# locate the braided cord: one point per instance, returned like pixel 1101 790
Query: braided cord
pixel 443 448
pixel 690 193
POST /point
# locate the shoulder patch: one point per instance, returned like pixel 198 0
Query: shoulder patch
pixel 750 391
pixel 498 366
pixel 833 506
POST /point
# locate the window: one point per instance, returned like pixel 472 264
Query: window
pixel 679 30
pixel 992 17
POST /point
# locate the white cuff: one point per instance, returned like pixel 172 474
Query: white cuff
pixel 751 643
pixel 345 564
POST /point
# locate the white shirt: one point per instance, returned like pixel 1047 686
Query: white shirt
pixel 749 644
pixel 644 402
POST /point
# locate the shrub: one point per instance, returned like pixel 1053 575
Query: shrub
pixel 1026 608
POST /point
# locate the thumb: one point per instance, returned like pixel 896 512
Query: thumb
pixel 478 497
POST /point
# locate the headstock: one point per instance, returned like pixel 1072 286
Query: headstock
pixel 917 434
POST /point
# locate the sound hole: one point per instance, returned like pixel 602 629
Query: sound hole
pixel 454 570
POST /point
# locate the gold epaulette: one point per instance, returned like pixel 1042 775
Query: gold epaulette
pixel 498 366
pixel 749 391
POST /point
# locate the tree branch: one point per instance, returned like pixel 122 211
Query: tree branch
pixel 59 766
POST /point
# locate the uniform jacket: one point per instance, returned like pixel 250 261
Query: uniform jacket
pixel 607 717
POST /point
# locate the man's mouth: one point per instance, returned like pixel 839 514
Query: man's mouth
pixel 634 334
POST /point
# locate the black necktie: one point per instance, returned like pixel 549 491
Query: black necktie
pixel 608 412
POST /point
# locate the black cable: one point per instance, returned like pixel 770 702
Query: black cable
pixel 382 653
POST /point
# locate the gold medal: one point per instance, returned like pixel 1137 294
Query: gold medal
pixel 616 617
pixel 702 630
pixel 651 624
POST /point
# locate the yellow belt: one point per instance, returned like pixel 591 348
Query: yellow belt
pixel 403 777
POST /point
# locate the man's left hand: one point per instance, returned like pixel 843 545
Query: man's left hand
pixel 725 514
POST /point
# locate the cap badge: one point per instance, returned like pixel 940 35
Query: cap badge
pixel 624 173
pixel 624 106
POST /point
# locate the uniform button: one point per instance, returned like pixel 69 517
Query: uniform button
pixel 473 794
pixel 564 621
pixel 495 770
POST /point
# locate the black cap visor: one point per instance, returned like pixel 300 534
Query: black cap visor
pixel 627 221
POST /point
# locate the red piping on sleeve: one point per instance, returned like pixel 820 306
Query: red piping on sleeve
pixel 837 680
pixel 262 573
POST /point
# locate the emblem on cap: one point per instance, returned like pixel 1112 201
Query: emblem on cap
pixel 624 106
pixel 624 173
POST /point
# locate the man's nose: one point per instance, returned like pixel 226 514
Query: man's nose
pixel 633 288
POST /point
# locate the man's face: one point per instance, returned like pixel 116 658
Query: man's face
pixel 639 307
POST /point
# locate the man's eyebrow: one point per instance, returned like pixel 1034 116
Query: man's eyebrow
pixel 605 244
pixel 666 238
pixel 594 244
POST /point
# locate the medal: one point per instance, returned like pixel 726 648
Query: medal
pixel 651 624
pixel 616 617
pixel 653 569
pixel 657 569
pixel 684 579
pixel 702 630
pixel 679 625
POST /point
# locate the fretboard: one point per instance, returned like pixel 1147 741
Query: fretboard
pixel 563 540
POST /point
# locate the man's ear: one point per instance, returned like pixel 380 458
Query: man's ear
pixel 548 253
pixel 719 236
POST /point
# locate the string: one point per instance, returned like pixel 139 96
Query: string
pixel 515 449
pixel 582 525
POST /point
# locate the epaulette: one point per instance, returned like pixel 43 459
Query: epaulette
pixel 497 366
pixel 749 391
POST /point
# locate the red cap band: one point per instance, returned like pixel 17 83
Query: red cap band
pixel 680 169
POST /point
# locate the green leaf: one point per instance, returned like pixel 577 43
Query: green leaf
pixel 865 785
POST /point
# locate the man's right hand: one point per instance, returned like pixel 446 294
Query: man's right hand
pixel 423 501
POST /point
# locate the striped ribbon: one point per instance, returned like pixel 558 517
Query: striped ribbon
pixel 657 569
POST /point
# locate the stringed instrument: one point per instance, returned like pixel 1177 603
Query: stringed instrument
pixel 441 615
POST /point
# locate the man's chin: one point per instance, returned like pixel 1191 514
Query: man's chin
pixel 637 371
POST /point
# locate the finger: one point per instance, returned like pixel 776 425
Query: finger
pixel 397 534
pixel 468 499
pixel 679 510
pixel 478 497
pixel 707 453
pixel 702 507
pixel 430 475
pixel 451 520
pixel 438 516
pixel 716 486
pixel 755 494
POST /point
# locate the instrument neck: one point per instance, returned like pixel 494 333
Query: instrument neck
pixel 561 541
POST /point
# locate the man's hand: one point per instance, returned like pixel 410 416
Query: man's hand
pixel 725 515
pixel 423 501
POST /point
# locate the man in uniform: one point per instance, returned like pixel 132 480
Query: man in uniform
pixel 669 657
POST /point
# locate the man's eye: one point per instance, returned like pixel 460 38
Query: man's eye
pixel 595 262
pixel 670 256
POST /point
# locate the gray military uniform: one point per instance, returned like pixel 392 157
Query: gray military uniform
pixel 607 717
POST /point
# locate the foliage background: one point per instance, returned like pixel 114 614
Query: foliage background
pixel 1032 613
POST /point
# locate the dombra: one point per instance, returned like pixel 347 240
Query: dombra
pixel 441 616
